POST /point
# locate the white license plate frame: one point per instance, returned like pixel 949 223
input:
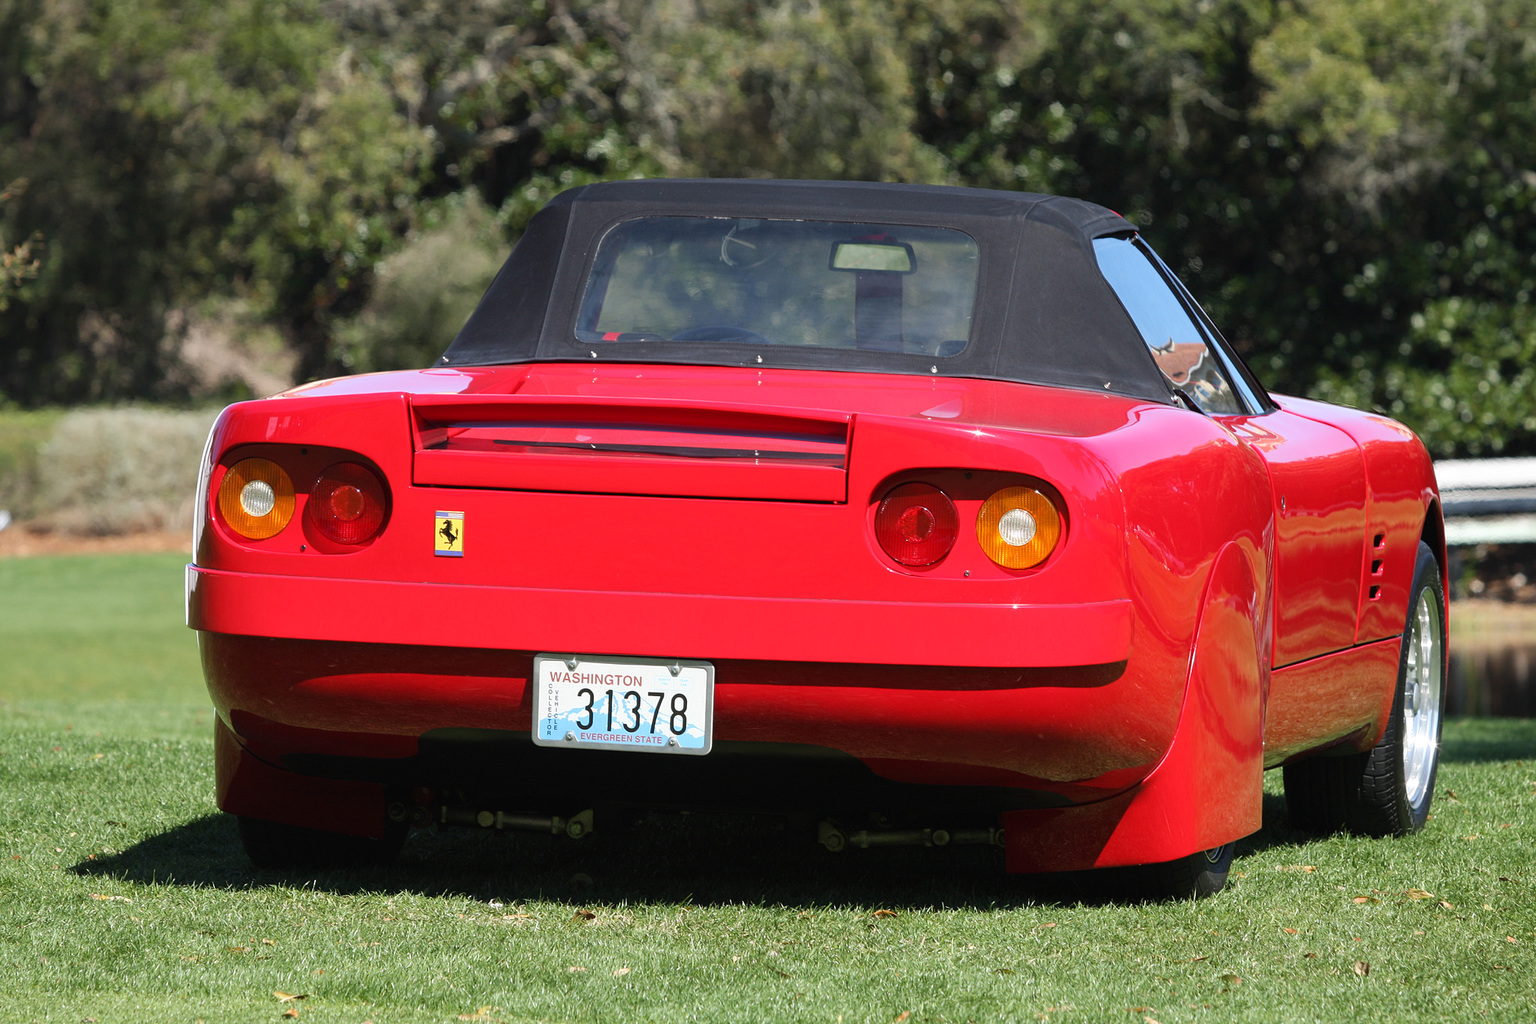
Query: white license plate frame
pixel 599 702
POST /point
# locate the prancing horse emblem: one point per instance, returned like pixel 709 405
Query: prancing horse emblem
pixel 448 540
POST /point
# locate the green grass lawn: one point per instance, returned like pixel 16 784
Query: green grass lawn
pixel 124 895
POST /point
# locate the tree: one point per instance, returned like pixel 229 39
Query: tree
pixel 1346 184
pixel 179 150
pixel 1420 114
pixel 17 263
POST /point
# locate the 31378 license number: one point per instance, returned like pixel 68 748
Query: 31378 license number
pixel 623 703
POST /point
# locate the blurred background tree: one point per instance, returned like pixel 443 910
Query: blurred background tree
pixel 1347 184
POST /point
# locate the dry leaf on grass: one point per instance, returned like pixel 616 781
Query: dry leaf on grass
pixel 1362 968
pixel 1232 979
pixel 290 1012
pixel 1365 899
pixel 484 1013
pixel 885 913
pixel 1420 894
pixel 101 896
pixel 1291 931
pixel 575 968
pixel 289 997
pixel 584 915
pixel 619 972
pixel 903 1015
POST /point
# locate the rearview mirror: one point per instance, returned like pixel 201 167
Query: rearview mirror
pixel 891 257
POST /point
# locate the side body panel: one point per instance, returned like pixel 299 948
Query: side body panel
pixel 1340 693
pixel 1318 477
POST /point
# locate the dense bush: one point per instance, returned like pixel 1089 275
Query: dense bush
pixel 22 435
pixel 424 292
pixel 110 471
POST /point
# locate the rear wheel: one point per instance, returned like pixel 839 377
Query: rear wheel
pixel 1194 877
pixel 1387 790
pixel 270 844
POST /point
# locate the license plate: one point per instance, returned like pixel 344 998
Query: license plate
pixel 641 704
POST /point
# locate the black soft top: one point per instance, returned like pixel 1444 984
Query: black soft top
pixel 1043 314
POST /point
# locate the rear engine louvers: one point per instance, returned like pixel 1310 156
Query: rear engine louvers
pixel 604 447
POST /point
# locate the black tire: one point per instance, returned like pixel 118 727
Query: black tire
pixel 270 844
pixel 1387 790
pixel 1194 877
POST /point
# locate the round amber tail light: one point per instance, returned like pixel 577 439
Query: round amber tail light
pixel 1018 527
pixel 256 498
pixel 347 504
pixel 916 524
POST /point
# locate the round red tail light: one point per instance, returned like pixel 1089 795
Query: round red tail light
pixel 347 504
pixel 916 524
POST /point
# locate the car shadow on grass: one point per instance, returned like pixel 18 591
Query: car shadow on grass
pixel 702 859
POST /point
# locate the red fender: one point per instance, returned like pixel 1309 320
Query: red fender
pixel 1208 788
pixel 249 786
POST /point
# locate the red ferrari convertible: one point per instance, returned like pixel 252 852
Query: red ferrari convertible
pixel 924 515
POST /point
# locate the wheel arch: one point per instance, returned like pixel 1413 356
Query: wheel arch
pixel 1207 789
pixel 1433 534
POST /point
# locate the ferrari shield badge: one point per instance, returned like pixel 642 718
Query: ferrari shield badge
pixel 449 536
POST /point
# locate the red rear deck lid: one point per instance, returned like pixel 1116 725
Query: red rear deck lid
pixel 601 446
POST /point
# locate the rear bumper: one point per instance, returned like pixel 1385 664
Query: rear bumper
pixel 660 625
pixel 1044 702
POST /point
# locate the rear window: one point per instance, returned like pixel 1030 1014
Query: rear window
pixel 821 284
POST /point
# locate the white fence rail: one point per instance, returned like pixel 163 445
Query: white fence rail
pixel 1488 501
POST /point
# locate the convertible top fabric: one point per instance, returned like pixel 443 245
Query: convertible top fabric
pixel 1044 314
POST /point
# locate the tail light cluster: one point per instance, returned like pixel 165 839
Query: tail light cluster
pixel 1017 527
pixel 345 503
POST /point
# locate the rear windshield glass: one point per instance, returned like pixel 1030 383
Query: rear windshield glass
pixel 875 287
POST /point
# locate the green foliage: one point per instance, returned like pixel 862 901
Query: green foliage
pixel 22 435
pixel 17 263
pixel 179 149
pixel 785 89
pixel 1419 121
pixel 1342 182
pixel 423 294
pixel 1466 378
pixel 112 471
